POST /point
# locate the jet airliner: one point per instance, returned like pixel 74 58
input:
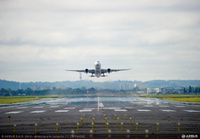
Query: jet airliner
pixel 97 71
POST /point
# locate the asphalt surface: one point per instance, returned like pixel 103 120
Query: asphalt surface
pixel 46 116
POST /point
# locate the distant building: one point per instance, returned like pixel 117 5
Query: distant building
pixel 130 86
pixel 62 87
pixel 36 88
pixel 153 90
pixel 140 85
pixel 126 86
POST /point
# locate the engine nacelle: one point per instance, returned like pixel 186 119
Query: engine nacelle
pixel 108 70
pixel 86 70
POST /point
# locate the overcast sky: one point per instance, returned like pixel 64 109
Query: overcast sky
pixel 39 39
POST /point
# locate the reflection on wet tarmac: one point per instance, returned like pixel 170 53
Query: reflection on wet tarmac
pixel 55 102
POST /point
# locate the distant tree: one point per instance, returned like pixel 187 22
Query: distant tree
pixel 29 91
pixel 184 90
pixel 190 89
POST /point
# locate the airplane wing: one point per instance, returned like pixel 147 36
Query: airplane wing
pixel 86 71
pixel 112 70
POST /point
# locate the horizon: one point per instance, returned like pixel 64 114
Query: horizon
pixel 102 81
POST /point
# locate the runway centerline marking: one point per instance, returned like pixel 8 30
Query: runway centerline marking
pixel 37 111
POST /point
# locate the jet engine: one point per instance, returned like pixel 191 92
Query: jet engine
pixel 86 70
pixel 108 70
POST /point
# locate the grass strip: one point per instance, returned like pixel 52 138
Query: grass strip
pixel 179 98
pixel 19 99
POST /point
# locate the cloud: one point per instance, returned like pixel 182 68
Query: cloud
pixel 156 39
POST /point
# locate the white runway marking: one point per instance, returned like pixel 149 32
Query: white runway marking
pixel 120 110
pixel 70 108
pixel 54 106
pixel 61 111
pixel 128 107
pixel 21 107
pixel 89 110
pixel 191 110
pixel 13 112
pixel 39 107
pixel 179 106
pixel 148 105
pixel 163 106
pixel 168 110
pixel 110 108
pixel 143 110
pixel 37 111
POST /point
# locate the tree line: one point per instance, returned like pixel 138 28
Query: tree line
pixel 54 91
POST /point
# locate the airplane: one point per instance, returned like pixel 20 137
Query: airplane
pixel 98 72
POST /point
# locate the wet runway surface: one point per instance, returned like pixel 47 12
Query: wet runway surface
pixel 68 111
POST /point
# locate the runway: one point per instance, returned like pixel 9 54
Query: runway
pixel 46 113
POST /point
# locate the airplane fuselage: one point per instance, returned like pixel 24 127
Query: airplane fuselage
pixel 97 69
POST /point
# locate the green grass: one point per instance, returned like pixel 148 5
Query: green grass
pixel 18 99
pixel 180 98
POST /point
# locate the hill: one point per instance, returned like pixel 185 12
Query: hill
pixel 102 85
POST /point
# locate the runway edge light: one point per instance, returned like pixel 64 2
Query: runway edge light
pixel 15 128
pixel 57 127
pixel 77 126
pixel 136 124
pixel 122 126
pixel 36 127
pixel 130 120
pixel 92 126
pixel 9 118
pixel 179 126
pixel 107 124
pixel 128 131
pixel 157 124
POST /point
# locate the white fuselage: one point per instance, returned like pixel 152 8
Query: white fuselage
pixel 97 69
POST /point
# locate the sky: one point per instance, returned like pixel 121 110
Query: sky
pixel 39 39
